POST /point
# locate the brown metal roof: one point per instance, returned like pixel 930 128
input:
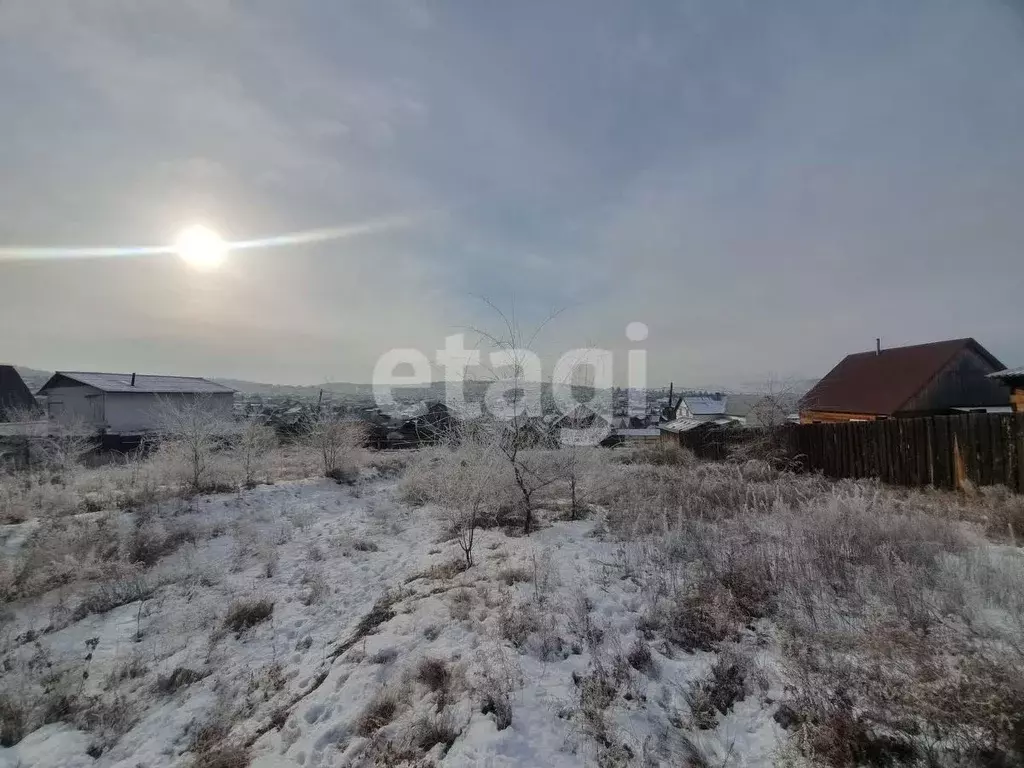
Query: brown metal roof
pixel 881 383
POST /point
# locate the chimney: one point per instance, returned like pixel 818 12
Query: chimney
pixel 133 379
pixel 878 347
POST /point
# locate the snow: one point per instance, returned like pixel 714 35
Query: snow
pixel 284 691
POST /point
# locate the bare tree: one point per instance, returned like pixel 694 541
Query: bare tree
pixel 532 472
pixel 775 400
pixel 255 440
pixel 335 440
pixel 193 426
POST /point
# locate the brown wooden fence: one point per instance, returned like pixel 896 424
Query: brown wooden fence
pixel 944 451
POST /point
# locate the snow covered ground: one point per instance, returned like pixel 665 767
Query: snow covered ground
pixel 694 613
pixel 521 660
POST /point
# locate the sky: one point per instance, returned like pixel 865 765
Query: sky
pixel 766 186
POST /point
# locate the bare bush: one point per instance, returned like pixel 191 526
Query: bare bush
pixel 336 441
pixel 253 442
pixel 500 676
pixel 65 445
pixel 715 694
pixel 192 428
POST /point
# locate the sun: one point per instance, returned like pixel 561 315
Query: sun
pixel 200 247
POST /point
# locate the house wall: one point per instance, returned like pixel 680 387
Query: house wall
pixel 75 404
pixel 133 412
pixel 1017 399
pixel 834 417
pixel 963 382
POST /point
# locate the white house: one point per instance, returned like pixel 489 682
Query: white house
pixel 126 403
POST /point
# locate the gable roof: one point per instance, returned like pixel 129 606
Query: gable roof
pixel 13 392
pixel 122 382
pixel 704 405
pixel 883 382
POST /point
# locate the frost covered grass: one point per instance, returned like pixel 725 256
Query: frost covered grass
pixel 661 612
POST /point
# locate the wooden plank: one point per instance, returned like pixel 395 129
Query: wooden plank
pixel 929 435
pixel 833 450
pixel 997 432
pixel 906 465
pixel 984 450
pixel 856 431
pixel 1018 428
pixel 828 449
pixel 986 457
pixel 875 436
pixel 939 450
pixel 961 449
pixel 883 442
pixel 921 446
pixel 892 444
pixel 811 447
pixel 844 451
pixel 906 451
pixel 909 456
pixel 1009 431
pixel 876 439
pixel 963 436
pixel 895 455
pixel 825 440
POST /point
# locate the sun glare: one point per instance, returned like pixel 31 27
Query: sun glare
pixel 200 247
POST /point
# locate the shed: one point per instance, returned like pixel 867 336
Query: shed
pixel 917 380
pixel 126 403
pixel 14 394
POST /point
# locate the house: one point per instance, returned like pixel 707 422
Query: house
pixel 126 403
pixel 703 407
pixel 918 380
pixel 14 395
pixel 1014 379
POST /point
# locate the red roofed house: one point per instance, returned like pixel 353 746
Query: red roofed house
pixel 919 380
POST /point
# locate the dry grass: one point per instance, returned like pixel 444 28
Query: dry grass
pixel 902 622
pixel 379 712
pixel 433 673
pixel 244 614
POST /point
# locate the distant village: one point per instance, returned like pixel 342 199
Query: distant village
pixel 939 378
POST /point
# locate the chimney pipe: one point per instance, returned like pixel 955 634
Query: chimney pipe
pixel 133 379
pixel 878 346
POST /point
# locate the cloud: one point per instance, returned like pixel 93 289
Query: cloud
pixel 768 187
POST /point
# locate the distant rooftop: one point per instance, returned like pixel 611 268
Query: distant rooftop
pixel 1009 373
pixel 122 382
pixel 700 405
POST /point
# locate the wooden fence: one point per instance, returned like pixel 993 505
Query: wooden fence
pixel 943 451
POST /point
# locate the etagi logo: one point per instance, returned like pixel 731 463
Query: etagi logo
pixel 514 391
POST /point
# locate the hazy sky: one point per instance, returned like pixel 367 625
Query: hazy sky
pixel 767 186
